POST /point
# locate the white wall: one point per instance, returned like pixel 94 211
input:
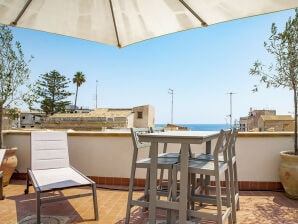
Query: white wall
pixel 258 157
pixel 109 154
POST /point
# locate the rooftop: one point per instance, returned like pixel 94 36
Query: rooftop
pixel 277 117
pixel 255 207
pixel 99 112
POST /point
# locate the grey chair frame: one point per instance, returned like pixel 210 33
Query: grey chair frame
pixel 233 180
pixel 49 146
pixel 164 154
pixel 215 168
pixel 165 161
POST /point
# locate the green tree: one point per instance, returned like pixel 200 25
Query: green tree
pixel 15 87
pixel 51 88
pixel 78 79
pixel 284 72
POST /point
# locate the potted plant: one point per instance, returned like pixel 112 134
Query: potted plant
pixel 15 89
pixel 284 73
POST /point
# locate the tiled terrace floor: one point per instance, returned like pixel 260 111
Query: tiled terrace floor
pixel 256 207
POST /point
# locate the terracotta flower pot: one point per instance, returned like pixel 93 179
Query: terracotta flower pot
pixel 8 165
pixel 288 173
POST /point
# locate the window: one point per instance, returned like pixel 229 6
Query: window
pixel 140 115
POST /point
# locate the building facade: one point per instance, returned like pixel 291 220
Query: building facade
pixel 266 120
pixel 144 116
pixel 30 119
pixel 102 119
pixel 243 124
pixel 254 116
pixel 276 123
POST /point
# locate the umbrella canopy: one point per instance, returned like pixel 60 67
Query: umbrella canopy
pixel 123 22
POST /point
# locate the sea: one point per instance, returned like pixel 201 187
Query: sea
pixel 201 127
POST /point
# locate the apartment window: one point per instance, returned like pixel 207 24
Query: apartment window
pixel 140 115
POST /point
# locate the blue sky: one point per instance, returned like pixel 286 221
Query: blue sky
pixel 200 65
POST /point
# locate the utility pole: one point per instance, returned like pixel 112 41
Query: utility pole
pixel 231 108
pixel 171 92
pixel 96 95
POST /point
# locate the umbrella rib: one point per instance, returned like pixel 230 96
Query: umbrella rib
pixel 203 23
pixel 115 26
pixel 14 23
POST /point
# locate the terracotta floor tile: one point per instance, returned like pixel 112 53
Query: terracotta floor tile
pixel 256 206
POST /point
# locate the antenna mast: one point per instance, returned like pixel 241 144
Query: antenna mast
pixel 96 96
pixel 231 109
pixel 171 92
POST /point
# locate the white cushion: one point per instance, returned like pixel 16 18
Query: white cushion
pixel 49 150
pixel 58 178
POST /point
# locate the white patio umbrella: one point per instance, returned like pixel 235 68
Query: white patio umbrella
pixel 123 22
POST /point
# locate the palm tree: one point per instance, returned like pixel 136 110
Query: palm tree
pixel 78 79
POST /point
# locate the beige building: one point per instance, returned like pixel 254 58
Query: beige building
pixel 144 116
pixel 254 116
pixel 275 123
pixel 103 118
pixel 243 124
pixel 266 120
pixel 30 119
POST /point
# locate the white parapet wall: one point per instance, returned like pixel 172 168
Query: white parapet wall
pixel 104 154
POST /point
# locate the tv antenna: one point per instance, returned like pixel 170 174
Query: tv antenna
pixel 171 92
pixel 231 109
pixel 96 95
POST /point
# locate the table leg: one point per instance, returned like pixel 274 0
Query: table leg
pixel 183 183
pixel 208 147
pixel 153 179
pixel 207 178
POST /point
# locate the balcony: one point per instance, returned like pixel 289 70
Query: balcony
pixel 98 156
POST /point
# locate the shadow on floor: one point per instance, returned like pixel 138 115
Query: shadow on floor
pixel 26 206
pixel 267 207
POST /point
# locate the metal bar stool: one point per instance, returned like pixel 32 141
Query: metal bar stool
pixel 215 168
pixel 233 178
pixel 165 161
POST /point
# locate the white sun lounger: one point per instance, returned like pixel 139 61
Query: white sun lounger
pixel 50 169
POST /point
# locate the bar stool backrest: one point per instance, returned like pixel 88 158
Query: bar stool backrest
pixel 135 138
pixel 222 145
pixel 232 142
